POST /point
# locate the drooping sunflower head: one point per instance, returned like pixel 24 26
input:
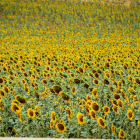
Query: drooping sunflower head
pixel 65 96
pixel 57 89
pixel 94 92
pixel 1 80
pixel 69 112
pixel 87 108
pixel 95 107
pixel 116 96
pixel 51 124
pixel 81 119
pixel 101 122
pixel 21 99
pixel 53 115
pixel 15 108
pixel 31 113
pixel 60 127
pixel 44 81
pixel 81 70
pixel 121 133
pixel 106 81
pixel 37 114
pixel 106 109
pixel 2 93
pixel 92 114
pixel 120 103
pixel 95 82
pixel 115 109
pixel 73 90
pixel 130 114
pixel 113 129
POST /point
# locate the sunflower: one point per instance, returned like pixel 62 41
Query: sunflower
pixel 125 67
pixel 31 113
pixel 139 123
pixel 15 108
pixel 120 103
pixel 69 113
pixel 73 90
pixel 6 89
pixel 94 92
pixel 113 129
pixel 65 97
pixel 37 114
pixel 92 114
pixel 95 107
pixel 2 93
pixel 36 95
pixel 116 96
pixel 115 109
pixel 81 119
pixel 1 80
pixel 19 116
pixel 20 99
pixel 121 133
pixel 87 108
pixel 78 100
pixel 137 81
pixel 53 115
pixel 57 89
pixel 107 65
pixel 51 124
pixel 130 114
pixel 81 70
pixel 101 122
pixel 72 74
pixel 106 81
pixel 60 127
pixel 76 81
pixel 119 84
pixel 83 102
pixel 130 78
pixel 1 106
pixel 106 109
pixel 96 75
pixel 44 81
pixel 96 82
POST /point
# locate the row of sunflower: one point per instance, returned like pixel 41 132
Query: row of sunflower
pixel 69 69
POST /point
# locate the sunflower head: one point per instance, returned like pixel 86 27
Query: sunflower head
pixel 106 109
pixel 101 122
pixel 95 107
pixel 51 124
pixel 106 81
pixel 115 109
pixel 1 80
pixel 94 92
pixel 21 99
pixel 57 89
pixel 92 114
pixel 121 133
pixel 31 113
pixel 65 96
pixel 53 115
pixel 130 114
pixel 60 127
pixel 113 129
pixel 120 103
pixel 15 108
pixel 81 119
pixel 95 82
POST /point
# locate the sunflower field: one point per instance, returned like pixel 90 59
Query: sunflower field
pixel 70 69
